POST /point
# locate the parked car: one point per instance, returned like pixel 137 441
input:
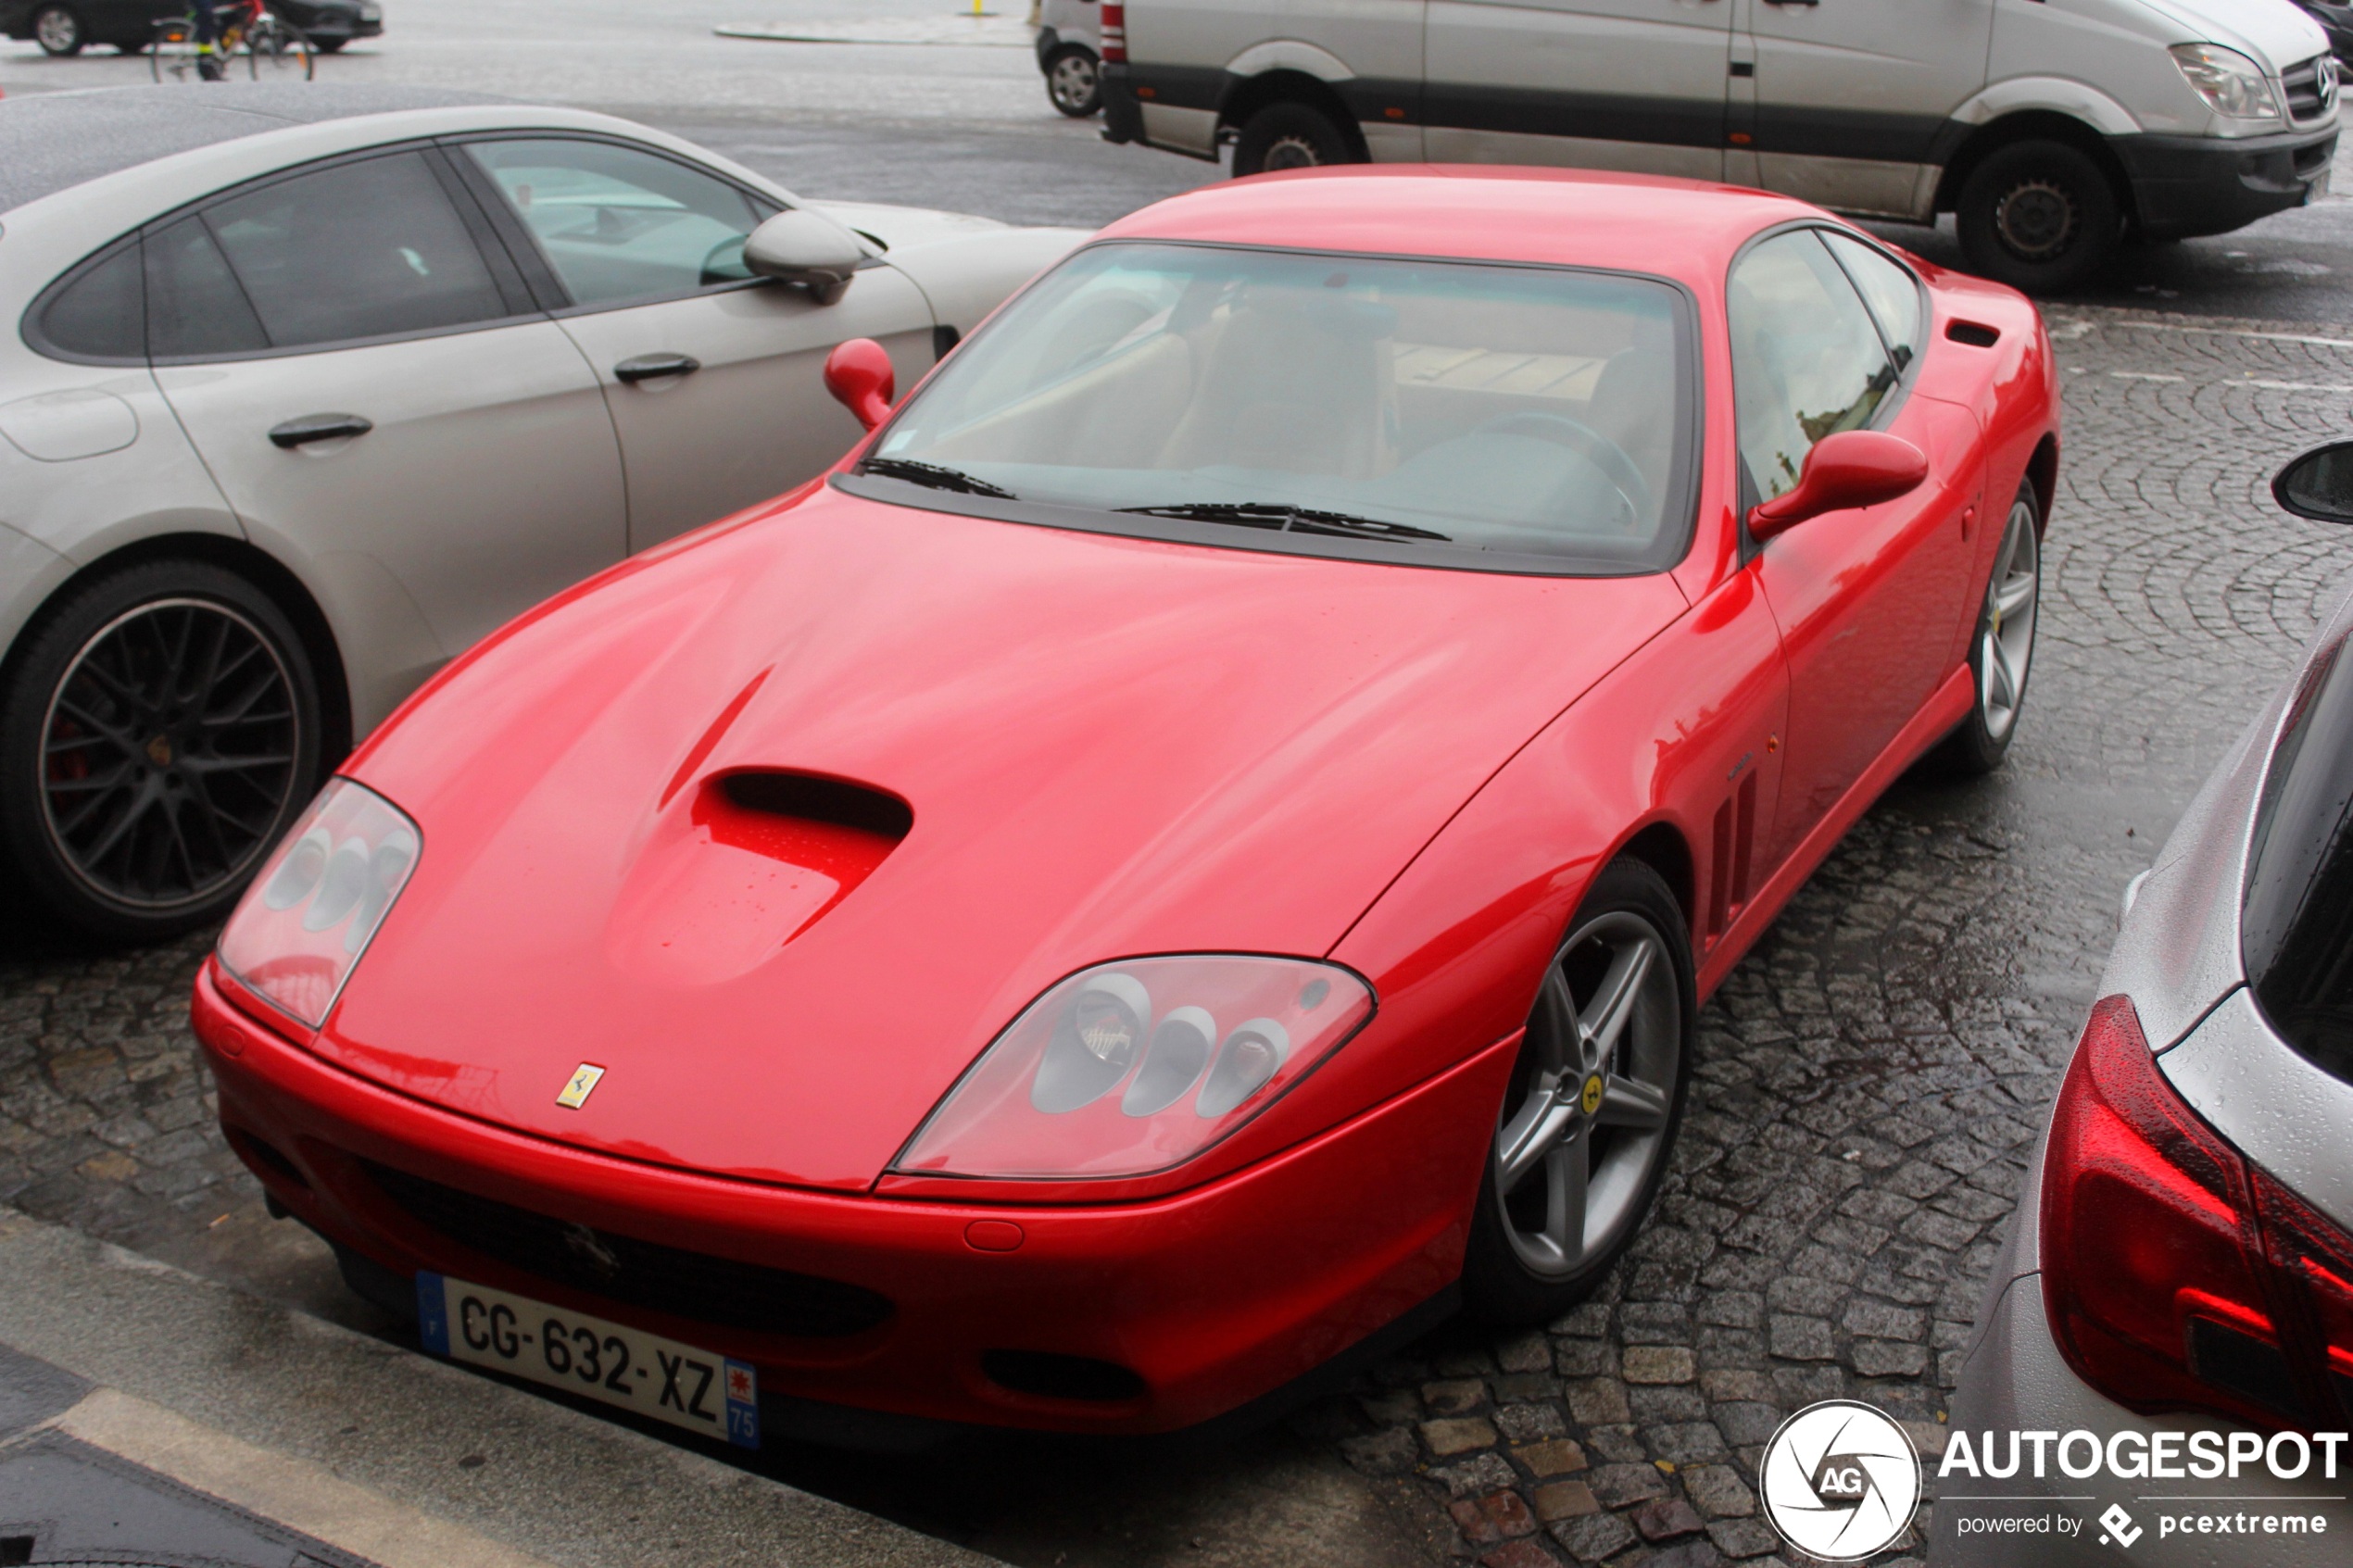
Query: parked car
pixel 67 26
pixel 1070 53
pixel 1197 848
pixel 309 387
pixel 2048 130
pixel 2183 1258
pixel 2337 21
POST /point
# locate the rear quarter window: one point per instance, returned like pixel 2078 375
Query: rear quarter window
pixel 2297 925
pixel 97 311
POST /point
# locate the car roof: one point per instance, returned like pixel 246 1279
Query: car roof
pixel 1686 229
pixel 50 142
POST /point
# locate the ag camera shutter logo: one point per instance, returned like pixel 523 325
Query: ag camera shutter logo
pixel 1841 1480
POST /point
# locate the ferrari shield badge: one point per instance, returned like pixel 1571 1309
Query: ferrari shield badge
pixel 583 1082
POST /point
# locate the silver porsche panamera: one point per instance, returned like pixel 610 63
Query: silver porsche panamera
pixel 310 387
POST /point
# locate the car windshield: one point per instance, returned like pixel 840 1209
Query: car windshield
pixel 1424 405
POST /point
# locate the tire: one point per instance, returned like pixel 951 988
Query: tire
pixel 58 30
pixel 1072 81
pixel 2039 215
pixel 278 51
pixel 1597 1089
pixel 159 727
pixel 329 46
pixel 1290 135
pixel 2000 650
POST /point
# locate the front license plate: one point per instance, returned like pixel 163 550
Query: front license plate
pixel 680 1383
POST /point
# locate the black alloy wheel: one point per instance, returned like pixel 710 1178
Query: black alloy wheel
pixel 1589 1119
pixel 158 729
pixel 58 30
pixel 2039 215
pixel 1290 135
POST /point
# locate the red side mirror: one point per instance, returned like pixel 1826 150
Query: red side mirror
pixel 1855 467
pixel 859 375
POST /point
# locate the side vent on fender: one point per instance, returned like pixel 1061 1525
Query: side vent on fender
pixel 1976 335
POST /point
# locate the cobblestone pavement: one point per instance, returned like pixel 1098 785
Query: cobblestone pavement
pixel 1869 1083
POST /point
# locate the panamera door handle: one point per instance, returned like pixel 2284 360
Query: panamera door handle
pixel 646 367
pixel 320 427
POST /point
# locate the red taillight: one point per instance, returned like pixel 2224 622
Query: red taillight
pixel 2162 1291
pixel 1114 23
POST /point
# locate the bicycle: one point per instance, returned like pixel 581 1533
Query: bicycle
pixel 274 49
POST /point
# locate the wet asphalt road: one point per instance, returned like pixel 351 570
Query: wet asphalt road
pixel 1868 1080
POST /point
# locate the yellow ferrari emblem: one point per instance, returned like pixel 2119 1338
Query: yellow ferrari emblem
pixel 584 1083
pixel 1592 1099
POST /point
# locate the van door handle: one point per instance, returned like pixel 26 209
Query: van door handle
pixel 646 367
pixel 318 427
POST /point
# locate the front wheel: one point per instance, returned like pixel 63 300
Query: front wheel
pixel 1288 136
pixel 158 730
pixel 1072 81
pixel 1595 1098
pixel 277 51
pixel 58 30
pixel 2039 215
pixel 2004 646
pixel 329 46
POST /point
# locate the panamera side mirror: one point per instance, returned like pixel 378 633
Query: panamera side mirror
pixel 859 375
pixel 2319 484
pixel 1855 467
pixel 800 247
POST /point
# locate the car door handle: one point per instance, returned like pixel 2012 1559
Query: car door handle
pixel 646 367
pixel 320 427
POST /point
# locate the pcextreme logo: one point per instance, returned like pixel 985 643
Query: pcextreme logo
pixel 1841 1480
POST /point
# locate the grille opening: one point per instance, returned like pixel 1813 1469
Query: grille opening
pixel 692 1286
pixel 813 799
pixel 1975 334
pixel 262 1153
pixel 1057 1376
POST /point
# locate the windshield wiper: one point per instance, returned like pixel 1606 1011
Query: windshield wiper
pixel 1286 518
pixel 934 476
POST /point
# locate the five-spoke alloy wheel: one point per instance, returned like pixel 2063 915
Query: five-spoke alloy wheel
pixel 2004 648
pixel 157 733
pixel 1592 1106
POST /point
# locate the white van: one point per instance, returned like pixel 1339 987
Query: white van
pixel 2049 127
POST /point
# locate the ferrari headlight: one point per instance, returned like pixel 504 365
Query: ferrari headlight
pixel 301 929
pixel 1129 1068
pixel 2230 83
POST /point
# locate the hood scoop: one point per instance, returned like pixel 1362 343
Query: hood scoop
pixel 756 859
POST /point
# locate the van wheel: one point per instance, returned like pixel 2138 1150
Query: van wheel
pixel 2039 215
pixel 1289 136
pixel 159 727
pixel 1073 82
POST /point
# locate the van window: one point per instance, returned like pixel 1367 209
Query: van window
pixel 1893 294
pixel 1807 359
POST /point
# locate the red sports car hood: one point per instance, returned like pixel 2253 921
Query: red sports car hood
pixel 1110 746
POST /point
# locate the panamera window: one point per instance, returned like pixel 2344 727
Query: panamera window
pixel 1428 407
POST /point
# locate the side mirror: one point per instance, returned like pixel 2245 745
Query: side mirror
pixel 800 247
pixel 2319 484
pixel 859 375
pixel 1855 467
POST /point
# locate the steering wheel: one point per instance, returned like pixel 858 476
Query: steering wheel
pixel 1621 470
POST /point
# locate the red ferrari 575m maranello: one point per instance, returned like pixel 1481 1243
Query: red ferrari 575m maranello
pixel 1196 850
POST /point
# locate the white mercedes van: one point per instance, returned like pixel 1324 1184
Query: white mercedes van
pixel 2050 128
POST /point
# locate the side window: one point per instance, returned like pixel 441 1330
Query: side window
pixel 195 307
pixel 617 223
pixel 1806 360
pixel 1893 294
pixel 100 313
pixel 357 250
